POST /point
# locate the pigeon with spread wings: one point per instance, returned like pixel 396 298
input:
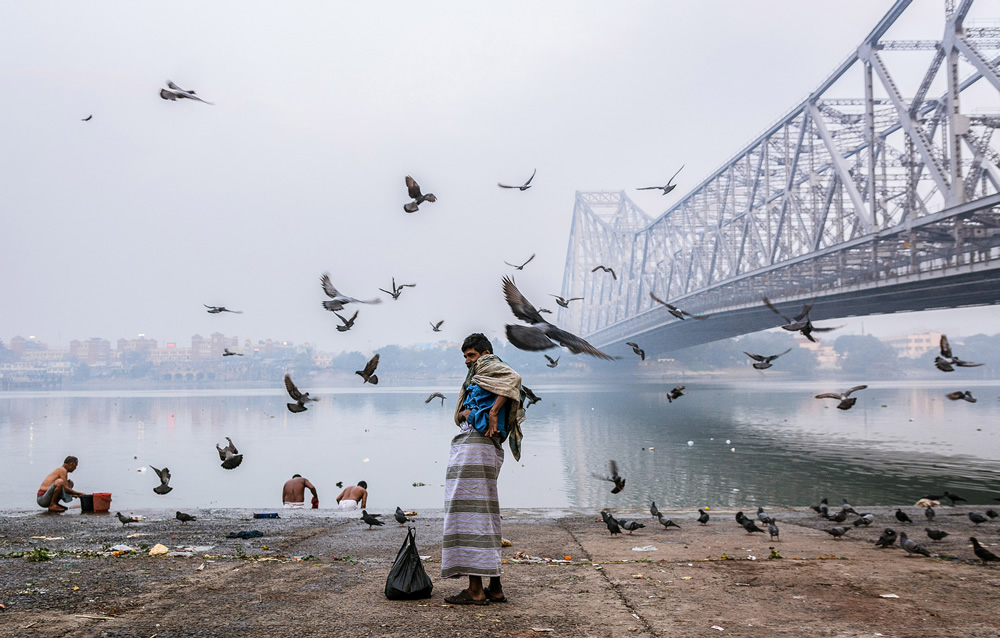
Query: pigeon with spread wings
pixel 801 322
pixel 552 362
pixel 565 302
pixel 174 93
pixel 436 395
pixel 413 189
pixel 845 398
pixel 614 477
pixel 666 188
pixel 675 311
pixel 523 187
pixel 605 269
pixel 300 398
pixel 436 327
pixel 368 374
pixel 214 310
pixel 762 362
pixel 229 455
pixel 946 360
pixel 336 300
pixel 347 323
pixel 397 290
pixel 636 349
pixel 164 476
pixel 521 267
pixel 540 335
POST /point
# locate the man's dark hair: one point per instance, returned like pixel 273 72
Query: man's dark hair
pixel 362 484
pixel 296 476
pixel 72 459
pixel 478 342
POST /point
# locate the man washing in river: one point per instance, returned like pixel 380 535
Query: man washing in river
pixel 488 413
pixel 57 486
pixel 353 497
pixel 293 493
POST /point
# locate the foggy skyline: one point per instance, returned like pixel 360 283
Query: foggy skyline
pixel 129 222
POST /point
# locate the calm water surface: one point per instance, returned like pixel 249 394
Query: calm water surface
pixel 721 445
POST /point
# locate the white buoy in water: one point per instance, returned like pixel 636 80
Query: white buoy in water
pixel 690 443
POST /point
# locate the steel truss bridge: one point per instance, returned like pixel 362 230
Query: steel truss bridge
pixel 880 203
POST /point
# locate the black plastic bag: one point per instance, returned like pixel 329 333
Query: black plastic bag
pixel 407 579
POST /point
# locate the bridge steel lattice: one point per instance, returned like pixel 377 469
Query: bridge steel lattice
pixel 879 203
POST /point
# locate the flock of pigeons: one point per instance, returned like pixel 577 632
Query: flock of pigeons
pixel 888 537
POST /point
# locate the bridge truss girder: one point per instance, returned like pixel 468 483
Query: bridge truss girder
pixel 838 193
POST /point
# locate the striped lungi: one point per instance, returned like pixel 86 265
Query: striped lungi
pixel 471 545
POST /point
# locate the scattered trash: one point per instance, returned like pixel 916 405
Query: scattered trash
pixel 433 605
pixel 50 538
pixel 544 629
pixel 419 484
pixel 122 548
pixel 136 535
pixel 76 588
pixel 717 627
pixel 94 617
pixel 567 558
pixel 638 576
pixel 889 596
pixel 200 567
pixel 504 542
pixel 646 548
pixel 686 577
pixel 266 515
pixel 254 533
pixel 158 549
pixel 728 441
pixel 652 449
pixel 690 443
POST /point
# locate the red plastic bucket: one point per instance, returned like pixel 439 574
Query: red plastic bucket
pixel 102 501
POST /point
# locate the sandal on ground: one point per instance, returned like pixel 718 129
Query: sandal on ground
pixel 463 598
pixel 501 599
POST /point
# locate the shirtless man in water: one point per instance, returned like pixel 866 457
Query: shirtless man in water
pixel 353 495
pixel 57 486
pixel 293 494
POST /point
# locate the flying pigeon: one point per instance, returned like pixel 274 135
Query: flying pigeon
pixel 762 362
pixel 300 398
pixel 540 335
pixel 174 93
pixel 164 476
pixel 413 189
pixel 636 349
pixel 666 188
pixel 946 361
pixel 675 311
pixel 368 374
pixel 347 323
pixel 436 395
pixel 214 310
pixel 336 300
pixel 606 269
pixel 845 398
pixel 521 267
pixel 229 455
pixel 436 327
pixel 552 362
pixel 397 290
pixel 522 187
pixel 614 477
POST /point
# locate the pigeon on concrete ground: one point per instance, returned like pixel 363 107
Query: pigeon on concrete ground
pixel 164 476
pixel 839 517
pixel 837 531
pixel 185 518
pixel 982 553
pixel 630 525
pixel 400 516
pixel 612 524
pixel 864 519
pixel 846 507
pixel 762 517
pixel 772 529
pixel 902 517
pixel 992 513
pixel 666 522
pixel 703 517
pixel 750 526
pixel 978 518
pixel 935 534
pixel 654 510
pixel 911 546
pixel 230 456
pixel 887 539
pixel 125 520
pixel 929 514
pixel 370 520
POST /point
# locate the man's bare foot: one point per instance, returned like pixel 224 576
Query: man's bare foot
pixel 56 508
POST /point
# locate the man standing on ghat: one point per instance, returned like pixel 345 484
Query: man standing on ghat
pixel 488 413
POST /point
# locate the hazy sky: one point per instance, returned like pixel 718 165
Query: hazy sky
pixel 128 223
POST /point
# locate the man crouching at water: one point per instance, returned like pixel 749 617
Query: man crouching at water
pixel 293 494
pixel 489 412
pixel 57 486
pixel 353 495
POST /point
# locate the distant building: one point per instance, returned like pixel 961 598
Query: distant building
pixel 826 356
pixel 93 351
pixel 916 345
pixel 139 344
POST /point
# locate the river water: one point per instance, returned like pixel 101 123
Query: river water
pixel 720 445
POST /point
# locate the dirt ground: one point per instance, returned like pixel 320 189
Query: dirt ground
pixel 317 573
